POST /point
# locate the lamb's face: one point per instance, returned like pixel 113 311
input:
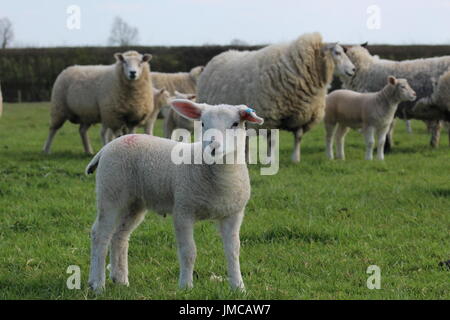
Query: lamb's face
pixel 132 63
pixel 403 89
pixel 223 127
pixel 343 65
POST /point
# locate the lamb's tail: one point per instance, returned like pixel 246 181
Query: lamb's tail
pixel 93 164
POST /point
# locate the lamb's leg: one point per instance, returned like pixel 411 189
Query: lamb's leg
pixel 187 252
pixel 229 229
pixel 168 125
pixel 330 130
pixel 390 138
pixel 382 133
pixel 54 127
pixel 297 143
pixel 119 243
pixel 149 126
pixel 408 126
pixel 370 141
pixel 85 139
pixel 102 232
pixel 341 131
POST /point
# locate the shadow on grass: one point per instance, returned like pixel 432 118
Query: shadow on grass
pixel 286 234
pixel 439 192
pixel 54 156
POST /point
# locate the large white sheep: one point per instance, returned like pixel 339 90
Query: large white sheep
pixel 138 172
pixel 373 112
pixel 116 95
pixel 180 81
pixel 285 83
pixel 371 73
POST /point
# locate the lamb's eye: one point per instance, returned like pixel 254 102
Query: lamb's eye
pixel 235 124
pixel 203 124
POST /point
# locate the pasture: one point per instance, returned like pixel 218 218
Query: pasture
pixel 310 231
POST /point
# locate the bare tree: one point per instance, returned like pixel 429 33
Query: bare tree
pixel 122 34
pixel 238 42
pixel 6 32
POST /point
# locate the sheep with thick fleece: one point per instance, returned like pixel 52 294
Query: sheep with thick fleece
pixel 285 83
pixel 138 172
pixel 180 81
pixel 371 73
pixel 116 95
pixel 173 120
pixel 373 112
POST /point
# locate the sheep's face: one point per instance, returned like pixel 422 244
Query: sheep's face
pixel 343 65
pixel 402 89
pixel 132 63
pixel 223 128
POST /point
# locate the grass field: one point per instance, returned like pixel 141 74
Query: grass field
pixel 310 231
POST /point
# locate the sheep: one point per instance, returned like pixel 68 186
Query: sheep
pixel 372 71
pixel 116 95
pixel 181 81
pixel 172 120
pixel 285 83
pixel 437 102
pixel 373 112
pixel 138 172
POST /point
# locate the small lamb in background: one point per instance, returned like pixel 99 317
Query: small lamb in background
pixel 173 120
pixel 136 172
pixel 373 112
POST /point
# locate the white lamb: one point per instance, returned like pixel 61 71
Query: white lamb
pixel 172 120
pixel 137 172
pixel 373 112
pixel 117 95
pixel 285 83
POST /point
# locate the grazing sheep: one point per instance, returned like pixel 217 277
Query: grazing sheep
pixel 181 81
pixel 371 73
pixel 172 120
pixel 437 102
pixel 138 172
pixel 285 83
pixel 373 112
pixel 116 95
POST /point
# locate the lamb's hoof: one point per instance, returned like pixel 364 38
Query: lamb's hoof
pixel 96 286
pixel 445 264
pixel 120 280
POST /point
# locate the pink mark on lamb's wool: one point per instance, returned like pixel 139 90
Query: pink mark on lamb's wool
pixel 130 139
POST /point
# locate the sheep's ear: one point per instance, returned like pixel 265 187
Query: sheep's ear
pixel 191 96
pixel 364 45
pixel 330 46
pixel 119 57
pixel 248 114
pixel 147 57
pixel 392 80
pixel 187 108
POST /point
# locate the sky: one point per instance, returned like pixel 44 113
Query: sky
pixel 198 22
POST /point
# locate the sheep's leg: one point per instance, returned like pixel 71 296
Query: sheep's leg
pixel 85 139
pixel 435 130
pixel 187 252
pixel 341 131
pixel 370 141
pixel 381 141
pixel 55 126
pixel 390 138
pixel 119 243
pixel 229 229
pixel 408 126
pixel 102 232
pixel 297 143
pixel 330 129
pixel 149 126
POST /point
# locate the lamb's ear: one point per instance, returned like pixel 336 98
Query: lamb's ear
pixel 187 108
pixel 392 80
pixel 147 57
pixel 119 57
pixel 248 114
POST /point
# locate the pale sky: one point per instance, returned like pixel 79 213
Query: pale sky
pixel 196 22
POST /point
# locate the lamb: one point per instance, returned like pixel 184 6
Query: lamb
pixel 116 95
pixel 172 120
pixel 138 172
pixel 181 81
pixel 373 112
pixel 285 83
pixel 371 73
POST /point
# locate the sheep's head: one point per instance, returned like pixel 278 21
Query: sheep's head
pixel 220 124
pixel 133 63
pixel 196 72
pixel 343 65
pixel 402 89
pixel 359 55
pixel 161 97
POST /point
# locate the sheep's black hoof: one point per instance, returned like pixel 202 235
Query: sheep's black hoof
pixel 445 264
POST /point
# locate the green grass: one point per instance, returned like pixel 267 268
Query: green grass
pixel 310 231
